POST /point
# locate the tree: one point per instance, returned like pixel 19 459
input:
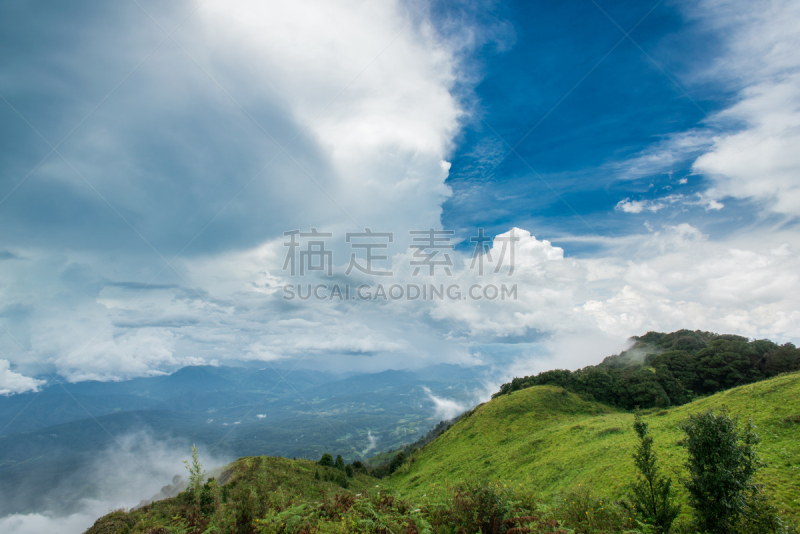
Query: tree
pixel 339 464
pixel 326 460
pixel 396 462
pixel 680 364
pixel 653 498
pixel 196 474
pixel 641 388
pixel 783 359
pixel 722 462
pixel 725 363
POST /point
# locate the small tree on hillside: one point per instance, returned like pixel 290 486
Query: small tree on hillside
pixel 326 460
pixel 339 464
pixel 196 473
pixel 722 462
pixel 652 495
pixel 396 462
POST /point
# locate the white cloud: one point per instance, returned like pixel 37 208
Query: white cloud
pixel 370 99
pixel 638 206
pixel 372 442
pixel 380 152
pixel 120 479
pixel 759 161
pixel 11 382
pixel 664 155
pixel 445 409
pixel 747 150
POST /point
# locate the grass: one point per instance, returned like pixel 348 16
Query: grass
pixel 279 483
pixel 553 441
pixel 536 460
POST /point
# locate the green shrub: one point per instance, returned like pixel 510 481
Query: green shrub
pixel 722 463
pixel 652 497
pixel 396 462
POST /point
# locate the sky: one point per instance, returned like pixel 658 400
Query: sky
pixel 639 159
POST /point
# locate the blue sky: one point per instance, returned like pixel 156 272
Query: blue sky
pixel 570 96
pixel 153 158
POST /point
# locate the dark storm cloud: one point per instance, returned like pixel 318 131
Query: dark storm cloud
pixel 164 153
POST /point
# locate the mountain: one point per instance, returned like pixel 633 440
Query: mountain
pixel 52 439
pixel 534 460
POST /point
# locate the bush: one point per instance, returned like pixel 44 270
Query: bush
pixel 652 498
pixel 396 462
pixel 326 460
pixel 722 462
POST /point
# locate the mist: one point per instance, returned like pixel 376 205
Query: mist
pixel 445 409
pixel 134 469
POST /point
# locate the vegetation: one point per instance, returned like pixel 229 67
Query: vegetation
pixel 722 465
pixel 662 370
pixel 586 444
pixel 652 496
pixel 196 472
pixel 540 458
pixel 556 441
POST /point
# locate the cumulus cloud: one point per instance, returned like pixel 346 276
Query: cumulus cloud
pixel 359 124
pixel 11 382
pixel 212 148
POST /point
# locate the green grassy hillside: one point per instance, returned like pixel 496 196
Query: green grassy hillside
pixel 550 440
pixel 504 467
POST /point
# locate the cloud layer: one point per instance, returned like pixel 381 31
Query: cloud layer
pixel 154 237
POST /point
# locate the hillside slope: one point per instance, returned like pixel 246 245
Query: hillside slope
pixel 551 440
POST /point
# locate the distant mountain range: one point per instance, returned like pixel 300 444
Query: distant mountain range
pixel 50 438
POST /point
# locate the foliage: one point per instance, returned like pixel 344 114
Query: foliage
pixel 722 464
pixel 662 370
pixel 553 440
pixel 326 460
pixel 537 448
pixel 196 473
pixel 586 513
pixel 254 504
pixel 652 495
pixel 397 461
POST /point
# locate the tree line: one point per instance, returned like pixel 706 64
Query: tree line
pixel 662 370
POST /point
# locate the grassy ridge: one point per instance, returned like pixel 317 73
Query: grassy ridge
pixel 552 440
